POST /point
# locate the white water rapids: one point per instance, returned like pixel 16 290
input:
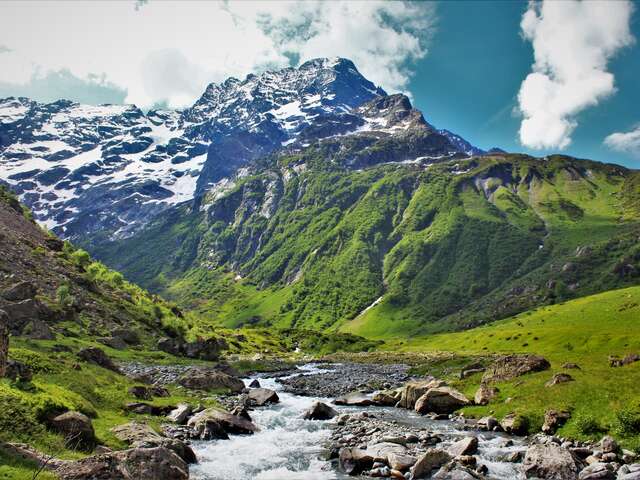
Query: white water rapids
pixel 288 447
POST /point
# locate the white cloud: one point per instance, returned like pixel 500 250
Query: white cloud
pixel 572 42
pixel 167 52
pixel 625 142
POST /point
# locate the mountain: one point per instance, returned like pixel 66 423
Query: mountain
pixel 49 288
pixel 317 201
pixel 328 238
pixel 93 173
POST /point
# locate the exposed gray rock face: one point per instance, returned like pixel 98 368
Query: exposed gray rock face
pixel 229 423
pixel 87 170
pixel 550 462
pixel 355 399
pixel 466 446
pixel 430 461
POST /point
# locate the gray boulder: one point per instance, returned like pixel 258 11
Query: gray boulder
pixel 354 461
pixel 441 400
pixel 77 430
pixel 204 379
pixel 262 396
pixel 466 446
pixel 320 411
pixel 550 462
pixel 431 460
pixel 356 399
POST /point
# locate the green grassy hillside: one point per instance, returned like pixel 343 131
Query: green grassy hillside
pixel 585 331
pixel 307 241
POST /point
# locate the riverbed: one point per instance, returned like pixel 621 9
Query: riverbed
pixel 290 448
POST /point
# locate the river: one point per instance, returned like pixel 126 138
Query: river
pixel 289 448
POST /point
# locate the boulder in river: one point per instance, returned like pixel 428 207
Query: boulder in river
pixel 354 461
pixel 412 391
pixel 466 446
pixel 381 451
pixel 262 396
pixel 319 411
pixel 355 399
pixel 550 462
pixel 254 384
pixel 180 414
pixel 401 462
pixel 431 460
pixel 488 423
pixel 229 423
pixel 385 399
pixel 205 379
pixel 136 463
pixel 441 400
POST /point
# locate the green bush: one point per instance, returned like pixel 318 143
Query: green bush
pixel 587 424
pixel 81 258
pixel 627 422
pixel 64 297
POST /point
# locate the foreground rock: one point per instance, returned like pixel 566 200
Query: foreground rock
pixel 140 435
pixel 76 429
pixel 553 420
pixel 550 462
pixel 227 422
pixel 262 396
pixel 202 379
pixel 134 464
pixel 430 461
pixel 320 411
pixel 466 446
pixel 441 400
pixel 412 391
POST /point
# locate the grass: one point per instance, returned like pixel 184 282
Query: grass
pixel 585 331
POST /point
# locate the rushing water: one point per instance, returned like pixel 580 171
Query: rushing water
pixel 288 447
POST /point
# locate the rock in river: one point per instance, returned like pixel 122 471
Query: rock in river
pixel 230 423
pixel 550 462
pixel 262 396
pixel 441 400
pixel 320 411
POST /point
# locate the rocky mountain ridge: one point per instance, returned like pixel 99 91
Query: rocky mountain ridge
pixel 90 172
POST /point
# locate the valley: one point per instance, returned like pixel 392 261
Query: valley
pixel 300 277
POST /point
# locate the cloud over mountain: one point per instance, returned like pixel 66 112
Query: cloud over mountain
pixel 572 41
pixel 163 54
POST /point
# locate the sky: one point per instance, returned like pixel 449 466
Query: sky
pixel 536 77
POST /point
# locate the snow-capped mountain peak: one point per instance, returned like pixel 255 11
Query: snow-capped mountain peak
pixel 107 170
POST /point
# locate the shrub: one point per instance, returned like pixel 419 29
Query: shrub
pixel 64 297
pixel 587 424
pixel 627 422
pixel 81 258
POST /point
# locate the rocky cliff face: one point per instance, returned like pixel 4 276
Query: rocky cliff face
pixel 95 173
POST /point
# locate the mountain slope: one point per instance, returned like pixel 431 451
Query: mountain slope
pixel 327 238
pixel 93 173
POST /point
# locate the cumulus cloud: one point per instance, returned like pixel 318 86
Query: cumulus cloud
pixel 625 142
pixel 167 52
pixel 572 41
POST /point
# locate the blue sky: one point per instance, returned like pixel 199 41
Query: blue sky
pixel 470 79
pixel 468 65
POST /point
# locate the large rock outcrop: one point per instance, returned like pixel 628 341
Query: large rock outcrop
pixel 441 400
pixel 550 462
